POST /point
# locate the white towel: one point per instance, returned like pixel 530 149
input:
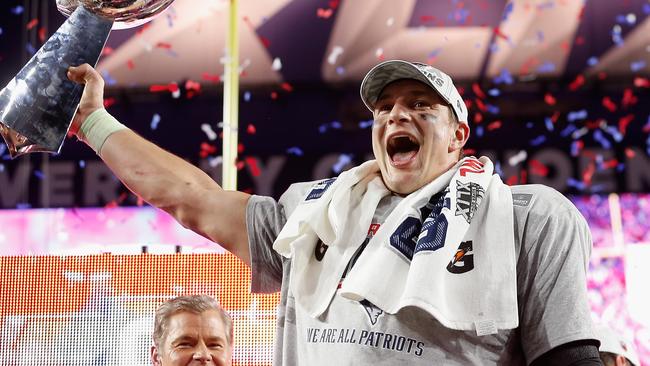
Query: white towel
pixel 458 265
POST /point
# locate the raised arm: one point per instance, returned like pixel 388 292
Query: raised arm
pixel 162 179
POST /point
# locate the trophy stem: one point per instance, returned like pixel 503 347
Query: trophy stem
pixel 37 106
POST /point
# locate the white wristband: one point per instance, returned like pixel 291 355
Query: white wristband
pixel 97 127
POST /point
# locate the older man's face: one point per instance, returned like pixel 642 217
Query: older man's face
pixel 194 339
pixel 413 138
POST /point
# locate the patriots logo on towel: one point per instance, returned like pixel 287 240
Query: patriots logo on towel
pixel 463 260
pixel 372 311
pixel 320 250
pixel 319 188
pixel 468 197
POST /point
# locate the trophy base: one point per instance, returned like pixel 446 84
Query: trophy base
pixel 18 144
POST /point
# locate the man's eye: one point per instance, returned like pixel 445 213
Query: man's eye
pixel 183 345
pixel 385 107
pixel 419 104
pixel 215 345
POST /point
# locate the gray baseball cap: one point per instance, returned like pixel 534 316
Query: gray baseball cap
pixel 388 71
pixel 612 342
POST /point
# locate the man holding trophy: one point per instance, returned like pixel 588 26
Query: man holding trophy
pixel 521 299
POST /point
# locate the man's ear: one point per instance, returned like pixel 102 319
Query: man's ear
pixel 155 357
pixel 459 137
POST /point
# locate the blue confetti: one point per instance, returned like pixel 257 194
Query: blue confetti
pixel 82 164
pixel 108 79
pixel 546 67
pixel 492 109
pixel 549 123
pixel 592 61
pixel 0 31
pixel 344 159
pixel 294 151
pixel 577 115
pixel 504 77
pixel 646 8
pixel 494 48
pixel 620 167
pixel 479 131
pixel 435 52
pixel 30 49
pixel 568 130
pixel 615 133
pixel 637 65
pixel 335 125
pixel 546 5
pixel 497 168
pixel 538 140
pixel 530 124
pixel 3 148
pixel 599 137
pixel 575 148
pixel 39 174
pixel 23 206
pixel 507 11
pixel 571 182
pixel 155 120
pixel 494 92
pixel 2 168
pixel 617 38
pixel 366 124
pixel 340 70
pixel 247 96
pixel 17 10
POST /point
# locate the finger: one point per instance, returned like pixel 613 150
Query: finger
pixel 84 74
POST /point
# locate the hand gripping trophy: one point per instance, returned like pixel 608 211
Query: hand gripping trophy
pixel 37 106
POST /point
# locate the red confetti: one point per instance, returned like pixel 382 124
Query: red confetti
pixel 210 77
pixel 274 95
pixel 109 102
pixel 538 168
pixel 207 149
pixel 107 51
pixel 240 148
pixel 640 82
pixel 623 122
pixel 494 125
pixel 130 64
pixel 334 4
pixel 498 33
pixel 251 129
pixel 588 174
pixel 192 88
pixel 609 164
pixel 265 41
pixel 41 34
pixel 577 83
pixel 629 153
pixel 602 75
pixel 580 40
pixel 164 45
pixel 511 180
pixel 480 105
pixel 524 177
pixel 469 152
pixel 477 90
pixel 609 104
pixel 252 164
pixel 555 116
pixel 478 118
pixel 240 165
pixel 287 87
pixel 629 98
pixel 32 23
pixel 324 13
pixel 427 18
pixel 171 87
pixel 550 99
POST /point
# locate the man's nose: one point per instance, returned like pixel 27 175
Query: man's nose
pixel 201 353
pixel 399 113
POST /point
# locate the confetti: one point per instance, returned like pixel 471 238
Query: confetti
pixel 31 24
pixel 538 140
pixel 609 104
pixel 636 66
pixel 324 13
pixel 366 124
pixel 548 122
pixel 251 129
pixel 17 10
pixel 576 147
pixel 494 92
pixel 640 82
pixel 207 129
pixel 577 83
pixel 247 96
pixel 344 159
pixel 577 115
pixel 623 122
pixel 277 64
pixel 155 120
pixel 628 98
pixel 295 151
pixel 518 158
pixel 39 174
pixel 478 91
pixel 538 168
pixel 600 138
pixel 494 125
pixel 334 55
pixel 592 61
pixel 549 99
pixel 503 78
pixel 210 77
pixel 207 149
pixel 254 168
pixel 82 164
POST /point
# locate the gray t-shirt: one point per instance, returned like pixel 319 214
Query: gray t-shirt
pixel 553 245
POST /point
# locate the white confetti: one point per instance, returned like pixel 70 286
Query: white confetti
pixel 516 159
pixel 336 52
pixel 209 131
pixel 277 64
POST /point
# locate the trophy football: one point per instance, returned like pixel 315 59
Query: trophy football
pixel 37 106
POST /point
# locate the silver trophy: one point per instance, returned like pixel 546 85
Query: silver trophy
pixel 37 106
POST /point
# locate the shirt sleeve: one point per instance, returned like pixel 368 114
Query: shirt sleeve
pixel 264 220
pixel 551 276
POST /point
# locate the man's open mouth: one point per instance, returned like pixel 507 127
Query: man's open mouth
pixel 402 148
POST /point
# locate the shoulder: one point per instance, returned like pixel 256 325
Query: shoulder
pixel 301 191
pixel 537 201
